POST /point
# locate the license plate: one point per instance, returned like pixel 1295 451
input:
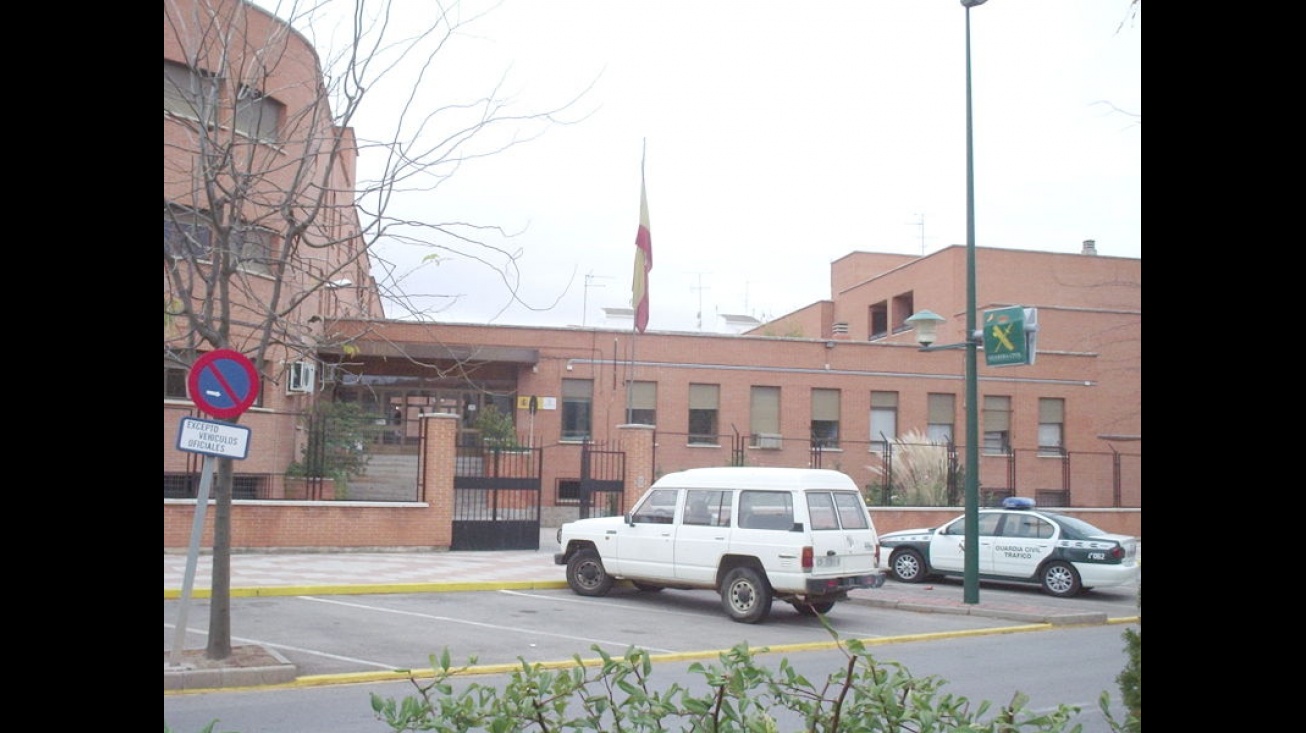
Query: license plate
pixel 828 561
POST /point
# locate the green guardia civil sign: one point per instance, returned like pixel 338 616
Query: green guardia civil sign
pixel 1009 336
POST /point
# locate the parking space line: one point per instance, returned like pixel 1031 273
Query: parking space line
pixel 479 624
pixel 314 652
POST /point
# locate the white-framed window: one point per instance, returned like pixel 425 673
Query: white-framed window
pixel 825 418
pixel 187 234
pixel 189 93
pixel 176 371
pixel 997 424
pixel 258 116
pixel 884 420
pixel 197 95
pixel 941 417
pixel 704 403
pixel 577 408
pixel 1051 426
pixel 643 403
pixel 764 417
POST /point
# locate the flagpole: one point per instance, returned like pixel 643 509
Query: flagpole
pixel 635 322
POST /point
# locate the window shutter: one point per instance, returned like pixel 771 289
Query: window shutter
pixel 643 395
pixel 703 396
pixel 825 404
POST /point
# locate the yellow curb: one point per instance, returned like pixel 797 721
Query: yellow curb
pixel 379 588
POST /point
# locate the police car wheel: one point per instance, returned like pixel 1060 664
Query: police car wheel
pixel 1061 579
pixel 907 565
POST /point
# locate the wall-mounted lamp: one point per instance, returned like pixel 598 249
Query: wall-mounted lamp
pixel 927 323
pixel 342 283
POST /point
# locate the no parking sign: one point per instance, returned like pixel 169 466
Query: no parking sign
pixel 223 383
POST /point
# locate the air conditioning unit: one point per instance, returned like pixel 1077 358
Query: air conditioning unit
pixel 767 440
pixel 301 377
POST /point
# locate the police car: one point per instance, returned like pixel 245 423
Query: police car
pixel 1018 543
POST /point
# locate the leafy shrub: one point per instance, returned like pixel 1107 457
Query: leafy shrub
pixel 919 475
pixel 336 442
pixel 742 695
pixel 497 428
pixel 1130 678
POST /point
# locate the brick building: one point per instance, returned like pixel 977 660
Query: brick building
pixel 833 384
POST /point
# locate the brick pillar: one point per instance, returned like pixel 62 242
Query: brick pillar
pixel 637 442
pixel 439 452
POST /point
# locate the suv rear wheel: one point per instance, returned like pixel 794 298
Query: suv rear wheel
pixel 811 609
pixel 586 574
pixel 746 596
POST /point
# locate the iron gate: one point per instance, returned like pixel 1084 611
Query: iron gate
pixel 602 482
pixel 496 499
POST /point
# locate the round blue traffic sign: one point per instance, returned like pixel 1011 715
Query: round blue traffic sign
pixel 223 383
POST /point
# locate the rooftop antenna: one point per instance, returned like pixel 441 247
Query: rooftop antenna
pixel 584 301
pixel 701 287
pixel 920 222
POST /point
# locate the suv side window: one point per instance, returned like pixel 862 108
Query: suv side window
pixel 820 511
pixel 658 508
pixel 766 510
pixel 835 510
pixel 707 508
pixel 851 514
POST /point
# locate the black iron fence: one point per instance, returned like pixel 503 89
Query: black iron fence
pixel 930 474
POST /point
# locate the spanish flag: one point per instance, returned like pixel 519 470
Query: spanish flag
pixel 643 259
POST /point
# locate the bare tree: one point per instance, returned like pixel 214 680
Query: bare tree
pixel 268 229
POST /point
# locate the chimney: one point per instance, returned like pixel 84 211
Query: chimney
pixel 1090 247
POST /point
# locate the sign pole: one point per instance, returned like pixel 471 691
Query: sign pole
pixel 192 559
pixel 222 383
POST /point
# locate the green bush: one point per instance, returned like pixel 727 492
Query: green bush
pixel 743 696
pixel 919 476
pixel 497 428
pixel 336 441
pixel 1130 678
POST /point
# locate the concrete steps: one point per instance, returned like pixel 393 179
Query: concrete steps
pixel 389 477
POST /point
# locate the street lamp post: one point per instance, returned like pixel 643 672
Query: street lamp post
pixel 926 324
pixel 970 589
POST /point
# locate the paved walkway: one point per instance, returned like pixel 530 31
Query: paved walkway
pixel 255 574
pixel 282 570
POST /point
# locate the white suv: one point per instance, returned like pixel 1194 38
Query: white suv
pixel 799 535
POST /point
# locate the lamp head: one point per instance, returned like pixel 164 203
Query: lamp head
pixel 972 3
pixel 926 324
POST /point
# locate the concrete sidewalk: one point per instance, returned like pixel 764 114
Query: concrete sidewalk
pixel 346 573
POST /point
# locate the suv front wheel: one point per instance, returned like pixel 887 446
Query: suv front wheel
pixel 586 574
pixel 746 596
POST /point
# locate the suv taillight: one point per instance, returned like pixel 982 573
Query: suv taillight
pixel 807 559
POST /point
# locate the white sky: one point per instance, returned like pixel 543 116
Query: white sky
pixel 780 137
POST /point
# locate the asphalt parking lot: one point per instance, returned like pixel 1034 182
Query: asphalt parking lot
pixel 332 634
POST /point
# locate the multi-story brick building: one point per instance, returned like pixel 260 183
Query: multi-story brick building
pixel 833 384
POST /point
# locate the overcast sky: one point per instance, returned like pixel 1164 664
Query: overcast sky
pixel 780 136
